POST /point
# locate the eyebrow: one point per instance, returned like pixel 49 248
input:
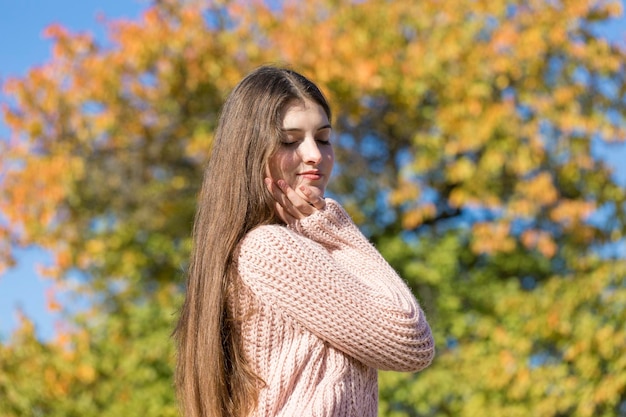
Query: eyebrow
pixel 295 129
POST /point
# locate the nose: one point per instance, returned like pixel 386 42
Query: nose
pixel 310 152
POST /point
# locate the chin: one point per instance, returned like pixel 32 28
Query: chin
pixel 320 190
pixel 316 189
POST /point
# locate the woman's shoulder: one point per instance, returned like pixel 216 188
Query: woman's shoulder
pixel 266 247
pixel 266 235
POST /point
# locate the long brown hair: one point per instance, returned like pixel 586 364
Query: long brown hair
pixel 213 378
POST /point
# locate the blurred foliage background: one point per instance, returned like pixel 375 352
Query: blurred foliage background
pixel 465 137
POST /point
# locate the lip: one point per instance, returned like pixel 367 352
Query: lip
pixel 312 174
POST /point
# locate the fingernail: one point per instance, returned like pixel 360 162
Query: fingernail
pixel 282 183
pixel 305 190
pixel 268 181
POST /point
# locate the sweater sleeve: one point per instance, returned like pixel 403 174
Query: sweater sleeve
pixel 323 274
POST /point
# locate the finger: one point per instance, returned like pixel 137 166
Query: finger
pixel 297 205
pixel 278 208
pixel 280 197
pixel 285 208
pixel 314 199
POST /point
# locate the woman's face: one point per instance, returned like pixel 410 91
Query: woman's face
pixel 305 155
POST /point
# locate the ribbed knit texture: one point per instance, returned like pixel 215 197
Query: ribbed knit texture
pixel 325 311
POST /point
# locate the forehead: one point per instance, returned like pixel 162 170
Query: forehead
pixel 303 114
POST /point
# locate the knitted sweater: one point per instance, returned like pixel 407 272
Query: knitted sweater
pixel 325 311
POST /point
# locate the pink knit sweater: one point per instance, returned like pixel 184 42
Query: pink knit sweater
pixel 325 312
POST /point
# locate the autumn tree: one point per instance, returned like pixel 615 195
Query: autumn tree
pixel 102 170
pixel 464 133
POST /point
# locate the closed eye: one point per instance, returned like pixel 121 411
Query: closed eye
pixel 323 135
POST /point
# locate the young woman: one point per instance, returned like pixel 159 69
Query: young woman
pixel 289 310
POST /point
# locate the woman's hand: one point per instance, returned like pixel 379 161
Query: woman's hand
pixel 292 205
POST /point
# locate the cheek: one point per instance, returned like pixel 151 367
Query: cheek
pixel 279 164
pixel 330 158
pixel 272 167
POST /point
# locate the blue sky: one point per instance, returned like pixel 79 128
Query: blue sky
pixel 21 47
